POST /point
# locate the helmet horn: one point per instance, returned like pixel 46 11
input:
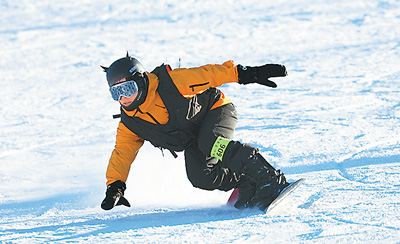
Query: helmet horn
pixel 104 68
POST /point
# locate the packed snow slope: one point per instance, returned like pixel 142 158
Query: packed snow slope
pixel 334 120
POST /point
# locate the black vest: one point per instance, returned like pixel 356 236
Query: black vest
pixel 185 115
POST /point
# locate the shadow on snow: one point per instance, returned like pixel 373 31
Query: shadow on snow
pixel 101 223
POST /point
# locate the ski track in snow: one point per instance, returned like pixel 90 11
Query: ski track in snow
pixel 334 120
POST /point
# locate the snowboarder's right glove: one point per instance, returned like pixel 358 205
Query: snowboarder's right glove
pixel 115 196
pixel 260 74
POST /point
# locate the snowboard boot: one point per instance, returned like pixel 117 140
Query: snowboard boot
pixel 269 182
pixel 247 190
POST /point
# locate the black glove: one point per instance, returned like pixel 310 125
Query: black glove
pixel 115 196
pixel 260 74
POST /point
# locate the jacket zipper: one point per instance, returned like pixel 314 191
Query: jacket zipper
pixel 193 86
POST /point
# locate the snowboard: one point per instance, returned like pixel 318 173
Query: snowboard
pixel 284 194
pixel 235 194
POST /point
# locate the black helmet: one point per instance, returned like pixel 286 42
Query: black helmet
pixel 124 68
pixel 129 68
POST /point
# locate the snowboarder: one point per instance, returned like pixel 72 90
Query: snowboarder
pixel 181 110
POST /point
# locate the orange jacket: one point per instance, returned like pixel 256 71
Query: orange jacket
pixel 189 83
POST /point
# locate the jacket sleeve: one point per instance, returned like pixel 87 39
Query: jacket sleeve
pixel 196 80
pixel 126 147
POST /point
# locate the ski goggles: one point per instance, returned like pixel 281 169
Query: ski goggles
pixel 126 89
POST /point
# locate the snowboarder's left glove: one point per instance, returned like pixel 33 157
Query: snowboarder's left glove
pixel 260 74
pixel 115 196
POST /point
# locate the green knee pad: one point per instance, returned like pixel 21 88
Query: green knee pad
pixel 219 147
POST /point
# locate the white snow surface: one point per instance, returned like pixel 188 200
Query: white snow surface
pixel 335 120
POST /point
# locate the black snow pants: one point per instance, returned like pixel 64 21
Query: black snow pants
pixel 207 172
